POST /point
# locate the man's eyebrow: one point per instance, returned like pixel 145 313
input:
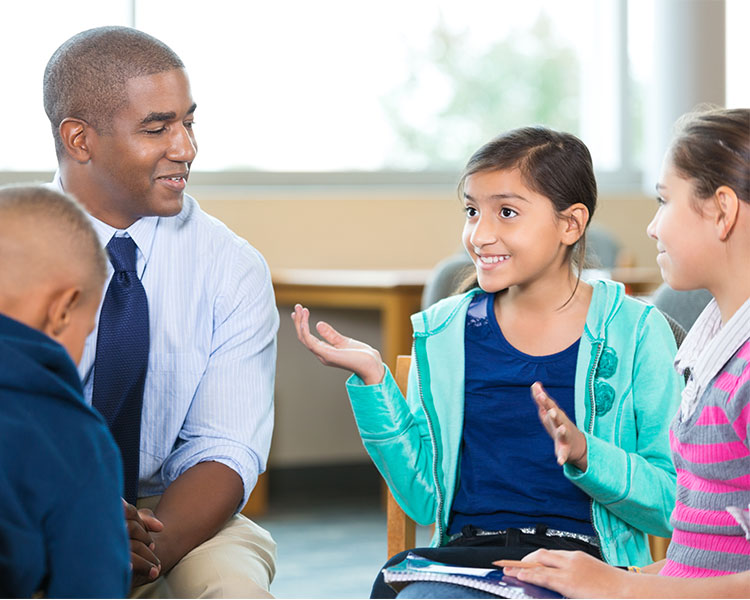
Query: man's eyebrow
pixel 157 117
pixel 500 197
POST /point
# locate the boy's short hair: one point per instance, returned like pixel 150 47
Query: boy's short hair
pixel 47 210
pixel 85 78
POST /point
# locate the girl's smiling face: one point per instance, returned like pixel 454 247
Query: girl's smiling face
pixel 684 237
pixel 512 233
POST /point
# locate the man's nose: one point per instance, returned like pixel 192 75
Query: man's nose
pixel 183 147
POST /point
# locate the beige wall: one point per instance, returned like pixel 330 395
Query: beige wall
pixel 393 228
pixel 344 228
pixel 626 217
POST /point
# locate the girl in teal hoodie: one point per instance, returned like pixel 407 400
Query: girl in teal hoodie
pixel 497 469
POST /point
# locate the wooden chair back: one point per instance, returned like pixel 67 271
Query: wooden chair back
pixel 402 529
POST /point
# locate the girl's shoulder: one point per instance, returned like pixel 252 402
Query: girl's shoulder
pixel 441 314
pixel 613 312
pixel 734 380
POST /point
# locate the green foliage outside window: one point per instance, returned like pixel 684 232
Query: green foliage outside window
pixel 529 77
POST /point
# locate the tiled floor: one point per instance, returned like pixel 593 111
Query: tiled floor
pixel 331 537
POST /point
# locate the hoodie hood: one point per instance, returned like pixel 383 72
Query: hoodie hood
pixel 33 363
pixel 606 300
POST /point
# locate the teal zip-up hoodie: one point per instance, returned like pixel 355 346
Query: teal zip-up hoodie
pixel 626 392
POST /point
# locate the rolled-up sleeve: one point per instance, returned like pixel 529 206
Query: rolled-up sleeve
pixel 230 419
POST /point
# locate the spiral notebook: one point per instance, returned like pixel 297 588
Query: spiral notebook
pixel 417 568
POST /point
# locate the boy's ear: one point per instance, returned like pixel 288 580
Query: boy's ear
pixel 727 206
pixel 575 219
pixel 75 134
pixel 59 313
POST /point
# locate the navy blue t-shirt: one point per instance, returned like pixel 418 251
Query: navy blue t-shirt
pixel 509 476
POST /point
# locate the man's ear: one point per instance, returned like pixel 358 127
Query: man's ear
pixel 59 313
pixel 75 134
pixel 574 218
pixel 726 211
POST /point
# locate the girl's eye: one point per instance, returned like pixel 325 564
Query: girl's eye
pixel 471 211
pixel 507 213
pixel 660 201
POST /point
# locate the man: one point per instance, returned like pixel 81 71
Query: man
pixel 62 532
pixel 182 362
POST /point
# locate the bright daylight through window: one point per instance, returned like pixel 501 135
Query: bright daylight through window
pixel 339 86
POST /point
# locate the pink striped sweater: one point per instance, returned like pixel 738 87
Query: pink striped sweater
pixel 711 449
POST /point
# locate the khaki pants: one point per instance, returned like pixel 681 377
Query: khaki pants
pixel 238 562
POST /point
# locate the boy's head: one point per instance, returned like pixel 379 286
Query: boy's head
pixel 52 265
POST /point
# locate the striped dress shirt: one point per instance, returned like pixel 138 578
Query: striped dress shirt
pixel 213 321
pixel 710 439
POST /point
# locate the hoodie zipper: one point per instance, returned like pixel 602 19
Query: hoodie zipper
pixel 592 370
pixel 438 491
pixel 592 403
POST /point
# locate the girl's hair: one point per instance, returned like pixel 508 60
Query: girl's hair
pixel 555 164
pixel 711 148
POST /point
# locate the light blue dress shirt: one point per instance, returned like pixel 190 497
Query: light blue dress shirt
pixel 213 321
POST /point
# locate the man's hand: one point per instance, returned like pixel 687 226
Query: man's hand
pixel 192 509
pixel 570 443
pixel 143 561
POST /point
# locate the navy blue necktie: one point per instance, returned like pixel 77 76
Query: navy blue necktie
pixel 122 358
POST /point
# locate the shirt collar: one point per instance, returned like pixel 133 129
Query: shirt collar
pixel 708 346
pixel 704 329
pixel 142 232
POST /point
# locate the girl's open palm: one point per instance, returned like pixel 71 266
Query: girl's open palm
pixel 336 350
pixel 570 443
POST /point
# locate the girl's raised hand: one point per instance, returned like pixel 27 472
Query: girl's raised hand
pixel 336 350
pixel 570 443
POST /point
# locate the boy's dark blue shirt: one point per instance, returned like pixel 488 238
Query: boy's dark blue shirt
pixel 62 527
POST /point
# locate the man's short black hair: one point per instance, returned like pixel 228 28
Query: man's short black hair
pixel 86 76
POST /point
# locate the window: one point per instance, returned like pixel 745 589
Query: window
pixel 337 86
pixel 349 86
pixel 31 32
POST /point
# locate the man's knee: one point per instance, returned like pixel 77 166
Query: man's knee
pixel 221 583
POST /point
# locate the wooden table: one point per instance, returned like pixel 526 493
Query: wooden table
pixel 395 294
